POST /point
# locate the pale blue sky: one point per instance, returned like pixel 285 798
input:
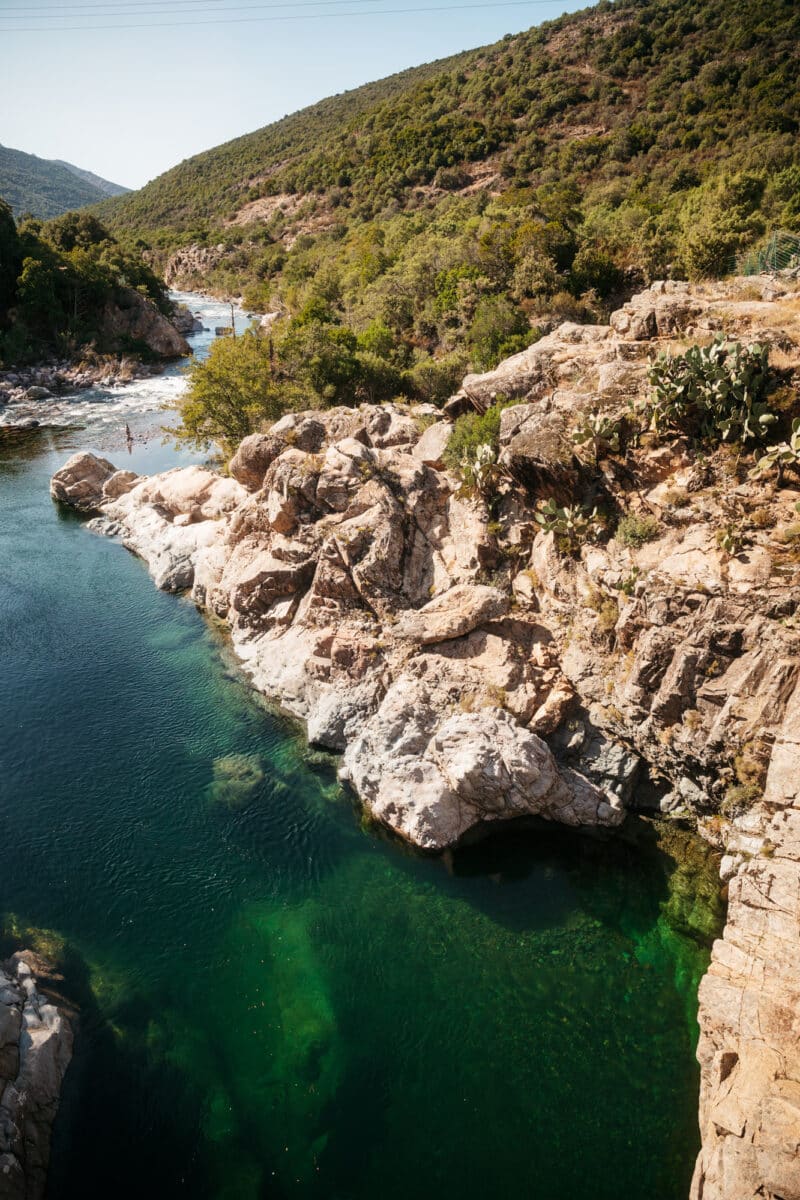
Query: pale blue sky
pixel 128 103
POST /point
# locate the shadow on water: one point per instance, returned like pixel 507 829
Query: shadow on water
pixel 118 1095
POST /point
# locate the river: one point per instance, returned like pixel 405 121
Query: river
pixel 276 1001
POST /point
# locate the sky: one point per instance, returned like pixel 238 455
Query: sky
pixel 129 88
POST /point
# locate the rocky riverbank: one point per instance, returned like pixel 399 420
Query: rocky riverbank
pixel 134 320
pixel 36 1035
pixel 469 670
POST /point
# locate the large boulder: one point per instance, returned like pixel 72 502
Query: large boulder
pixel 433 775
pixel 432 444
pixel 254 457
pixel 452 615
pixel 81 481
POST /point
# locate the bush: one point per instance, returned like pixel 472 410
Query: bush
pixel 473 448
pixel 571 526
pixel 634 529
pixel 471 431
pixel 498 330
pixel 713 393
pixel 434 380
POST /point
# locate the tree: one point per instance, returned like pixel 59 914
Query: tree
pixel 75 229
pixel 498 330
pixel 232 394
pixel 10 256
pixel 323 358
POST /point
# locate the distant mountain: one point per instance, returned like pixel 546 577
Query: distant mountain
pixel 103 185
pixel 47 187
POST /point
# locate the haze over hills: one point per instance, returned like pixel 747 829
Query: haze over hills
pixel 48 187
pixel 635 139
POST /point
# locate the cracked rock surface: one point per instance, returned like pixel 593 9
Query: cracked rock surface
pixel 35 1050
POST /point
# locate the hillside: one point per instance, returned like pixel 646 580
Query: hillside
pixel 468 202
pixel 48 187
pixel 105 186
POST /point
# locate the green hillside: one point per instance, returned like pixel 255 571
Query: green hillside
pixel 462 203
pixel 46 188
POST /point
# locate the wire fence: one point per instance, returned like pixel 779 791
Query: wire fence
pixel 781 252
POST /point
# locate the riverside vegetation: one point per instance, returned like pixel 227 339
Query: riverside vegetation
pixel 67 287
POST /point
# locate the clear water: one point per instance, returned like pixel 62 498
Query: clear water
pixel 276 1001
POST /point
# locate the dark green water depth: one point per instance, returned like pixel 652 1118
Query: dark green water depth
pixel 277 1002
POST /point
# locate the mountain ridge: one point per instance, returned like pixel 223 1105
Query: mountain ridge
pixel 46 188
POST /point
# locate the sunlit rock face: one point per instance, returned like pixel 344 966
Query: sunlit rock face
pixel 351 575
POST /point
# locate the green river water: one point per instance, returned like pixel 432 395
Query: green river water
pixel 276 1001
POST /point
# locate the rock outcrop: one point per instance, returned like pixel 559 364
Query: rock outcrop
pixel 350 572
pixel 133 318
pixel 35 1050
pixel 749 1048
pixel 472 671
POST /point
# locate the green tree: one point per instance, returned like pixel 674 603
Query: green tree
pixel 10 256
pixel 322 358
pixel 498 330
pixel 232 393
pixel 39 306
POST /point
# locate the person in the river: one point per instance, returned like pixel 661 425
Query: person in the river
pixel 128 437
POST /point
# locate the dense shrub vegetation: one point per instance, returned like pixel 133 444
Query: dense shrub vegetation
pixel 55 280
pixel 466 203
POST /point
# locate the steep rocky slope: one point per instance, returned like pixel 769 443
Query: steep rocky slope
pixel 469 670
pixel 36 1032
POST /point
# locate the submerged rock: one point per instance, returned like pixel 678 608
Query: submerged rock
pixel 237 777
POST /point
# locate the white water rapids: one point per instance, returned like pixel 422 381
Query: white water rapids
pixel 155 393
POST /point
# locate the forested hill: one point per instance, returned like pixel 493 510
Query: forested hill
pixel 48 187
pixel 631 139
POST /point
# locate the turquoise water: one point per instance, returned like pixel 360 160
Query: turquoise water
pixel 276 1000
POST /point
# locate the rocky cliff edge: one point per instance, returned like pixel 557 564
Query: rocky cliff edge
pixel 36 1034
